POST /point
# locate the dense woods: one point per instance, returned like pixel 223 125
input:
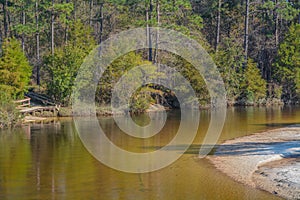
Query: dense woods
pixel 255 44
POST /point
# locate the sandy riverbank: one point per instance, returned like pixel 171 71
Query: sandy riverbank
pixel 269 161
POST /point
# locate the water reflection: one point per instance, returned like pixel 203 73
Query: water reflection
pixel 48 161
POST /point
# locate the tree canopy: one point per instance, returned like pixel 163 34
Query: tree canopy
pixel 255 44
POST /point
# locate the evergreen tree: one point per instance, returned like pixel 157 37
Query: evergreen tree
pixel 255 86
pixel 64 64
pixel 15 70
pixel 44 25
pixel 287 65
pixel 229 60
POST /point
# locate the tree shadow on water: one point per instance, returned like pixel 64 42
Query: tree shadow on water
pixel 277 125
pixel 288 149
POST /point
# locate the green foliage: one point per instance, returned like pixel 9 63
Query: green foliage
pixel 229 60
pixel 144 96
pixel 15 70
pixel 9 115
pixel 195 79
pixel 287 65
pixel 198 19
pixel 141 100
pixel 66 61
pixel 282 7
pixel 63 10
pixel 255 86
pixel 24 7
pixel 247 85
pixel 114 72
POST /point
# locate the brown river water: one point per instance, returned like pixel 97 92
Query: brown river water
pixel 49 161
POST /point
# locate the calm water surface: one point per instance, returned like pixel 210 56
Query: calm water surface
pixel 48 161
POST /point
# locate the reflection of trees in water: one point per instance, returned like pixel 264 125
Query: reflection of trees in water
pixel 42 161
pixel 51 147
pixel 14 158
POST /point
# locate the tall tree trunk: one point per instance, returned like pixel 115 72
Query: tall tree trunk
pixel 5 18
pixel 23 23
pixel 1 31
pixel 246 35
pixel 150 36
pixel 147 26
pixel 75 9
pixel 218 26
pixel 37 42
pixel 0 41
pixel 101 23
pixel 67 26
pixel 52 28
pixel 157 33
pixel 276 24
pixel 91 13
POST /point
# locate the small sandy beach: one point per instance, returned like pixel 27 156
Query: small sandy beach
pixel 268 160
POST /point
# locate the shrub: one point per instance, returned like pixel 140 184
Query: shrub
pixel 9 115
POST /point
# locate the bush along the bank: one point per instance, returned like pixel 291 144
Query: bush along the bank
pixel 9 115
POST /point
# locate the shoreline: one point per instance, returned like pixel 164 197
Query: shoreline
pixel 106 110
pixel 269 161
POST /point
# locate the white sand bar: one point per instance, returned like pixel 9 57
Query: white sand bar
pixel 269 161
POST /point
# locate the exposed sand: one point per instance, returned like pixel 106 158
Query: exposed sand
pixel 269 161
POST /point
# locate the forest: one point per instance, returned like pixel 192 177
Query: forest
pixel 254 43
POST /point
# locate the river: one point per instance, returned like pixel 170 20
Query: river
pixel 49 161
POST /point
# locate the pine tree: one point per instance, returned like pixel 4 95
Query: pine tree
pixel 64 64
pixel 229 59
pixel 255 86
pixel 287 65
pixel 15 70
